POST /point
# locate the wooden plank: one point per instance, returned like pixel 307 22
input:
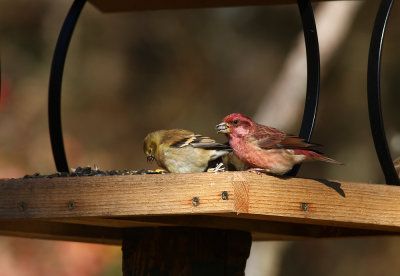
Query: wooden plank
pixel 323 202
pixel 115 196
pixel 109 230
pixel 283 230
pixel 60 231
pixel 134 5
pixel 110 222
pixel 254 201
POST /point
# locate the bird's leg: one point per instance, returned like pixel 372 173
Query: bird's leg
pixel 218 168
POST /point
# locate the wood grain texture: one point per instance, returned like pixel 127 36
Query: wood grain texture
pixel 269 206
pixel 332 203
pixel 134 5
pixel 286 230
pixel 39 229
pixel 115 196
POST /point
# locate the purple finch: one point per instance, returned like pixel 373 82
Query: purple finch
pixel 265 148
pixel 182 151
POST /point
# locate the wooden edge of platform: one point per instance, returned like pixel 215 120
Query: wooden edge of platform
pixel 280 207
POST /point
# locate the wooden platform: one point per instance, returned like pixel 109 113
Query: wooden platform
pixel 98 208
pixel 136 5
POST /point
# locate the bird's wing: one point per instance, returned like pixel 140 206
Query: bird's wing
pixel 267 137
pixel 272 138
pixel 212 145
pixel 199 141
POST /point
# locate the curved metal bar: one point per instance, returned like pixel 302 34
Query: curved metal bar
pixel 374 91
pixel 57 69
pixel 313 73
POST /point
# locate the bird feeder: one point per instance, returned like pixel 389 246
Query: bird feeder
pixel 202 223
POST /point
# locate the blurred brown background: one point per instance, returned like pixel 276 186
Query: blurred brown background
pixel 130 73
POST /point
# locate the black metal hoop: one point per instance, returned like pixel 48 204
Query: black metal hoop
pixel 313 73
pixel 54 105
pixel 374 93
pixel 57 68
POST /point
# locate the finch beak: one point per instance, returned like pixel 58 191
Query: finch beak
pixel 150 158
pixel 223 128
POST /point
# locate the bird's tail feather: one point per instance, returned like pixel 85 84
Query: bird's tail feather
pixel 319 157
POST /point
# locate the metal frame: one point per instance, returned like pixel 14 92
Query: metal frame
pixel 313 73
pixel 312 94
pixel 374 93
pixel 57 69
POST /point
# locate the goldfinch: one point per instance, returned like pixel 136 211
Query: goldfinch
pixel 182 151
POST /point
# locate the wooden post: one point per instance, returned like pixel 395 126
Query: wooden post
pixel 184 251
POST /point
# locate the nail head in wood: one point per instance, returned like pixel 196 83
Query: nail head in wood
pixel 195 201
pixel 71 205
pixel 22 206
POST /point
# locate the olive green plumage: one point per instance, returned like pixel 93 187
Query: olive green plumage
pixel 182 151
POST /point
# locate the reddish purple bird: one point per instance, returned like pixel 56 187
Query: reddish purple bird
pixel 265 148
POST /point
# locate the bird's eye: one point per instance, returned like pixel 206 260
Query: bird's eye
pixel 235 122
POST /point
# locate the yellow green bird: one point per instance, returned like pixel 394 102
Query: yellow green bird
pixel 182 151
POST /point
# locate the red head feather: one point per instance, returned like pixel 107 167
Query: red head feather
pixel 237 117
pixel 238 124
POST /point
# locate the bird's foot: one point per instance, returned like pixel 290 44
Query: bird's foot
pixel 219 168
